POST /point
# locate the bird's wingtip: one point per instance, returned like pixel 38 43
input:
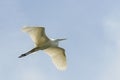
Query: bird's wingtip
pixel 62 68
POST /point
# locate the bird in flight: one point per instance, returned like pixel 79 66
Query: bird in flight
pixel 50 46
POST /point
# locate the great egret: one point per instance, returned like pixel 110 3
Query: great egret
pixel 50 46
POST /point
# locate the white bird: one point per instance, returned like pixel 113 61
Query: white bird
pixel 50 46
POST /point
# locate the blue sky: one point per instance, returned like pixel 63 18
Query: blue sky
pixel 92 29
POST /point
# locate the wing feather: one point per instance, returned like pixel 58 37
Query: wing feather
pixel 37 35
pixel 58 57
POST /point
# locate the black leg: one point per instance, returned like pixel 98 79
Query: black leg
pixel 22 55
pixel 29 52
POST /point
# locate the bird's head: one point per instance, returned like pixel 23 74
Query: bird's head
pixel 57 40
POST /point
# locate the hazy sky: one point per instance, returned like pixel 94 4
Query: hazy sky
pixel 92 29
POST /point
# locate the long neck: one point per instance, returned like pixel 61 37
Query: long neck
pixel 55 42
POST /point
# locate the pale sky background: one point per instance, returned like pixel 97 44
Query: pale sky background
pixel 92 29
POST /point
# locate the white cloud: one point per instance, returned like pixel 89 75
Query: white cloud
pixel 112 26
pixel 112 46
pixel 25 72
pixel 32 75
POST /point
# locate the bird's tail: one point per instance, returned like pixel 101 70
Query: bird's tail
pixel 29 52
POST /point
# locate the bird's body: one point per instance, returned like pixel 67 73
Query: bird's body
pixel 50 46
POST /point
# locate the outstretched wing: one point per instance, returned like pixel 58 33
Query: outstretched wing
pixel 58 57
pixel 37 34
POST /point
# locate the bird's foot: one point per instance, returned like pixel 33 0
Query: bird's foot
pixel 22 55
